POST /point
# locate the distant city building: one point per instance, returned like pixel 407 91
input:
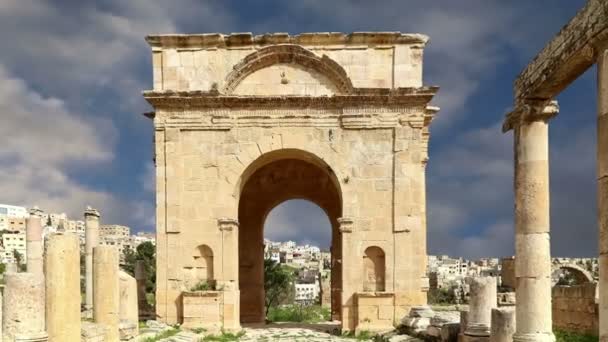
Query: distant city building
pixel 307 293
pixel 14 242
pixel 116 235
pixel 142 237
pixel 13 211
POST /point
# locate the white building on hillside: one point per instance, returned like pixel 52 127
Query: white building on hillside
pixel 13 211
pixel 14 242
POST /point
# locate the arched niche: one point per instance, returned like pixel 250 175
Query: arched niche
pixel 200 267
pixel 374 270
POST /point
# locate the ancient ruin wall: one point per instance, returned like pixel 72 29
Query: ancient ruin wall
pixel 575 308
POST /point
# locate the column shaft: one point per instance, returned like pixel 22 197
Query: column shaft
pixel 483 299
pixel 602 189
pixel 23 308
pixel 503 325
pixel 105 289
pixel 34 245
pixel 62 287
pixel 91 221
pixel 532 247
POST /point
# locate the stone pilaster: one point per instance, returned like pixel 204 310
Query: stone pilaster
pixel 62 266
pixel 482 301
pixel 346 228
pixel 230 253
pixel 503 325
pixel 228 284
pixel 91 222
pixel 532 247
pixel 34 244
pixel 602 188
pixel 23 308
pixel 105 289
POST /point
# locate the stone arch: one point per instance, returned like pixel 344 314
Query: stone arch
pixel 374 269
pixel 580 274
pixel 288 54
pixel 271 179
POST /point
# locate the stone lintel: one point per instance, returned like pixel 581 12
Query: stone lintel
pixel 528 111
pixel 346 225
pixel 568 55
pixel 247 39
pixel 227 224
pixel 91 212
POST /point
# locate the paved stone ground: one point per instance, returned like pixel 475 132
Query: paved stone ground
pixel 280 332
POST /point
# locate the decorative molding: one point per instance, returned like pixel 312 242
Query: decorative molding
pixel 218 40
pixel 528 111
pixel 288 54
pixel 227 224
pixel 346 225
pixel 361 97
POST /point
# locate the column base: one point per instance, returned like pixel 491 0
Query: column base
pixel 534 337
pixel 477 330
pixel 32 337
pixel 467 338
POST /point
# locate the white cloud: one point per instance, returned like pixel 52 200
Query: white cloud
pixel 298 220
pixel 42 140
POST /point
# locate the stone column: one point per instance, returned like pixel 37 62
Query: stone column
pixel 91 222
pixel 128 314
pixel 532 247
pixel 62 265
pixel 128 298
pixel 34 243
pixel 602 188
pixel 482 300
pixel 105 289
pixel 23 308
pixel 503 325
pixel 140 278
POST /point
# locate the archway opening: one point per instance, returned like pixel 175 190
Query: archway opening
pixel 279 179
pixel 297 242
pixel 570 275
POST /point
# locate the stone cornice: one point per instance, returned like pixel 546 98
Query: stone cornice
pixel 360 97
pixel 218 40
pixel 530 110
pixel 567 55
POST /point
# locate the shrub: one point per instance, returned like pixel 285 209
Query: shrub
pixel 299 313
pixel 565 336
pixel 203 285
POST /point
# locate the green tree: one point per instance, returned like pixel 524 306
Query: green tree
pixel 278 284
pixel 145 252
pixel 19 260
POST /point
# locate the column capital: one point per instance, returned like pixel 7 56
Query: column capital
pixel 529 110
pixel 346 225
pixel 35 211
pixel 91 212
pixel 229 224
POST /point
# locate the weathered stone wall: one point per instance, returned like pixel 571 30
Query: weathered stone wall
pixel 371 60
pixel 575 308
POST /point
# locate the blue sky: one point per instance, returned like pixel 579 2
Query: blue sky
pixel 72 72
